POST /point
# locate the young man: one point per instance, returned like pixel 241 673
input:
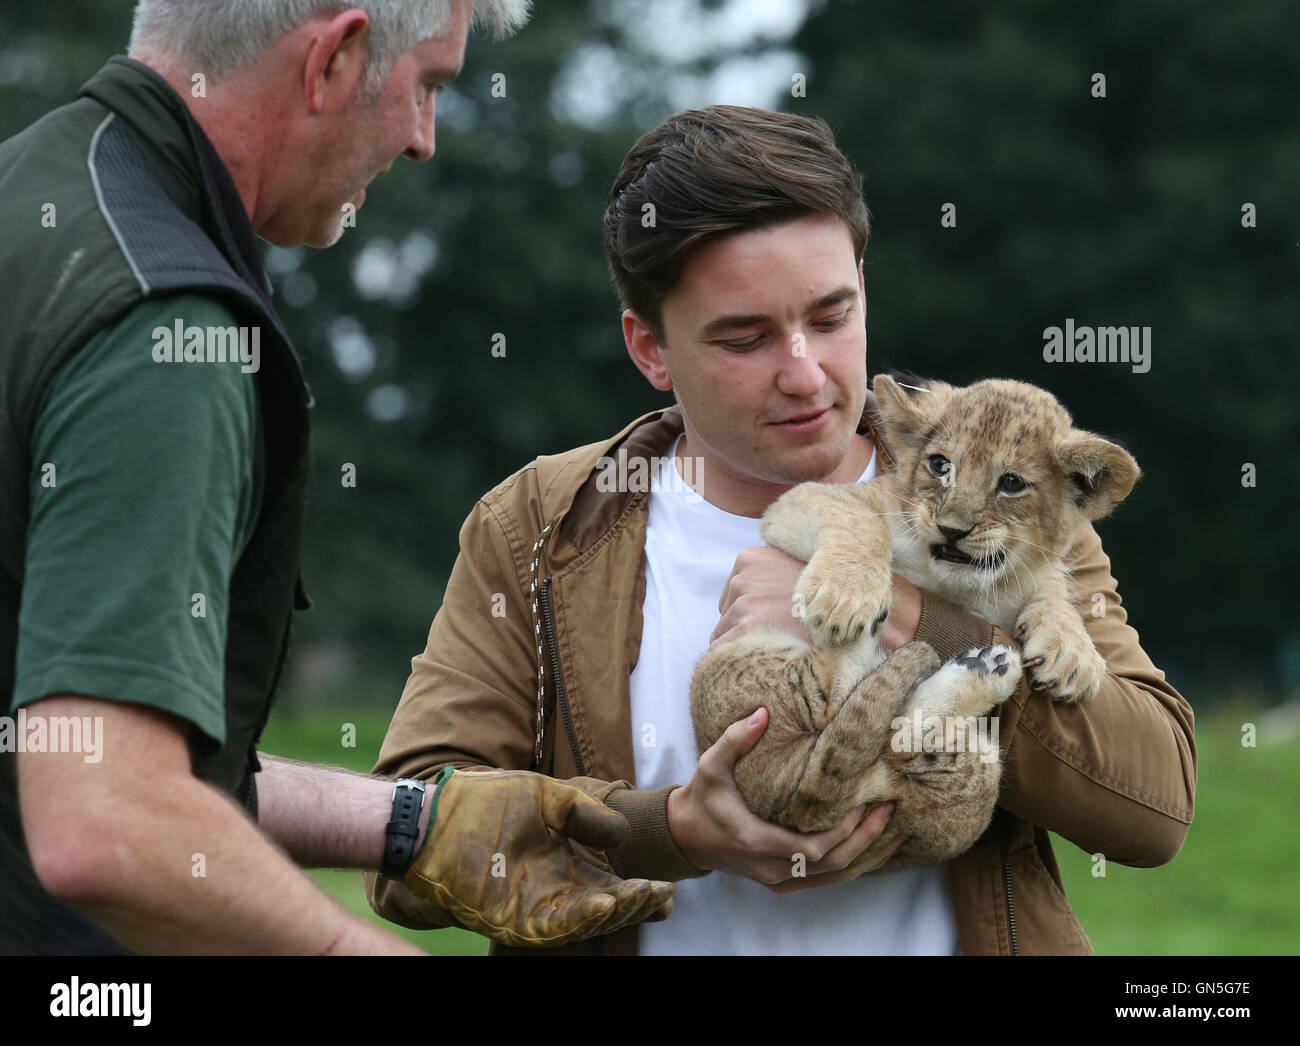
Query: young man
pixel 151 497
pixel 735 239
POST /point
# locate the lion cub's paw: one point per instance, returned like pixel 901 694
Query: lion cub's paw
pixel 971 684
pixel 1001 664
pixel 842 601
pixel 1058 651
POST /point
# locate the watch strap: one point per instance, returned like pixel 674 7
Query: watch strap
pixel 404 827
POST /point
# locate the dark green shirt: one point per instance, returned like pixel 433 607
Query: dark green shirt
pixel 146 484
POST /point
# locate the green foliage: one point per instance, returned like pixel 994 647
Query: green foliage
pixel 1117 211
pixel 1123 210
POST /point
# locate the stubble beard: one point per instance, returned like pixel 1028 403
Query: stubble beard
pixel 785 469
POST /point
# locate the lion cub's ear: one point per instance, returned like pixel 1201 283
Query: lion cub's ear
pixel 910 408
pixel 1099 473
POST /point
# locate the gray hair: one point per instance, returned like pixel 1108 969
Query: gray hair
pixel 219 36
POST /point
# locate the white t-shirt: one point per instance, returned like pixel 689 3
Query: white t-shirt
pixel 691 547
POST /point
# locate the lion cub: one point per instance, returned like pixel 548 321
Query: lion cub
pixel 992 482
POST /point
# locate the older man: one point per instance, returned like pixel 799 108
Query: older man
pixel 153 461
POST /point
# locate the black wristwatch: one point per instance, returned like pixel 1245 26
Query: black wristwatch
pixel 404 828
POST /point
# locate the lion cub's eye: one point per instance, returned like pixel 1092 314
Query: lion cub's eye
pixel 1010 483
pixel 939 465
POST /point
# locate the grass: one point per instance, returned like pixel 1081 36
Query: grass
pixel 1231 891
pixel 1233 888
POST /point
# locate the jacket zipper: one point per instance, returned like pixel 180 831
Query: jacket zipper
pixel 561 696
pixel 1010 902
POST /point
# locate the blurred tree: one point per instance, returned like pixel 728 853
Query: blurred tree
pixel 1117 211
pixel 467 324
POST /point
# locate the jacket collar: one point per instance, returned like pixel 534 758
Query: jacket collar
pixel 193 172
pixel 594 511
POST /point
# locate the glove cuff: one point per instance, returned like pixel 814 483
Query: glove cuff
pixel 444 775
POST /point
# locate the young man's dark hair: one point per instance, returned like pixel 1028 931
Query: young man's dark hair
pixel 710 172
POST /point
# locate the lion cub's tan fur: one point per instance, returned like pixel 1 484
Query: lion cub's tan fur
pixel 831 740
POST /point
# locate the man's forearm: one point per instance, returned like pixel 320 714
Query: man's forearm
pixel 326 817
pixel 249 900
pixel 167 864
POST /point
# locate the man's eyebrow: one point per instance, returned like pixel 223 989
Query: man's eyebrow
pixel 835 297
pixel 724 324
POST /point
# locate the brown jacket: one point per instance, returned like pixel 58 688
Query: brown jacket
pixel 1115 777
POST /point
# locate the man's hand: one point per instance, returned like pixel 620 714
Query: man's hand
pixel 491 860
pixel 714 829
pixel 759 594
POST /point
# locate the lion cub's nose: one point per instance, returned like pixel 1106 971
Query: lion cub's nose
pixel 953 533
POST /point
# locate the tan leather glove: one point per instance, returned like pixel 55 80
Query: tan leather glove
pixel 492 858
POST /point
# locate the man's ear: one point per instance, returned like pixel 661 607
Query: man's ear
pixel 336 59
pixel 646 352
pixel 910 408
pixel 1099 474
